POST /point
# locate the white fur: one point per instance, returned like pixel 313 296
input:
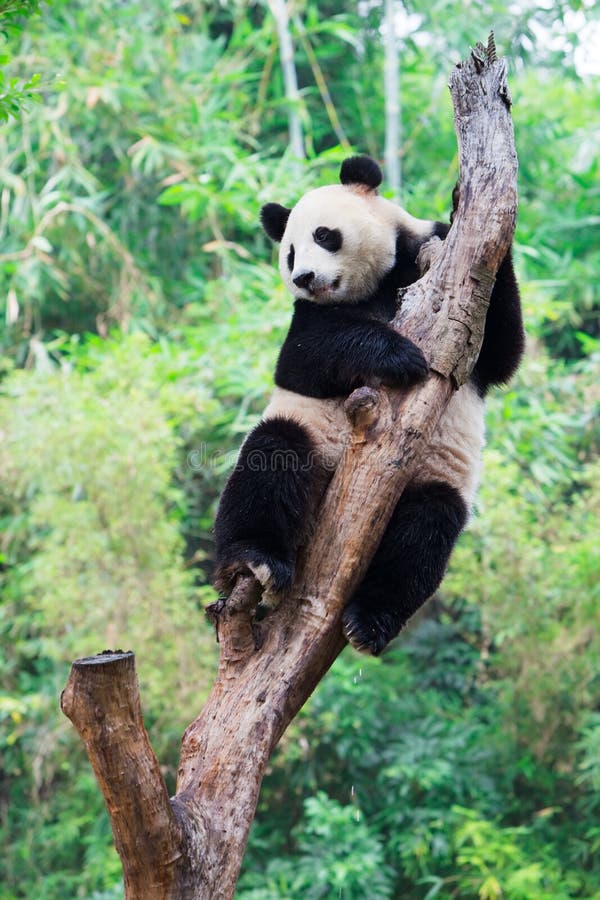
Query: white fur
pixel 368 223
pixel 453 455
pixel 324 419
pixel 262 573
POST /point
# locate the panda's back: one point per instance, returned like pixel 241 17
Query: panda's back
pixel 452 456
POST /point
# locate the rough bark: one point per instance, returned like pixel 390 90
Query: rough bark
pixel 101 698
pixel 192 845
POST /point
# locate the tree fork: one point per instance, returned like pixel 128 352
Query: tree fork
pixel 192 845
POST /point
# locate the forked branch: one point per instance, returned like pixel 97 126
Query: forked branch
pixel 192 845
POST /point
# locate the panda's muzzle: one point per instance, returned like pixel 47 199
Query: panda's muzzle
pixel 314 285
pixel 304 280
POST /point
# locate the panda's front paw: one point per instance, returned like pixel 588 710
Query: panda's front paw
pixel 405 366
pixel 369 631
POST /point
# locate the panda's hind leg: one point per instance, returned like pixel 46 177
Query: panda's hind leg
pixel 408 566
pixel 267 505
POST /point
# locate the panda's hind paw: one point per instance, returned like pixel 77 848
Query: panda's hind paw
pixel 274 573
pixel 368 631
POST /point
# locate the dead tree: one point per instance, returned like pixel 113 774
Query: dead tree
pixel 191 846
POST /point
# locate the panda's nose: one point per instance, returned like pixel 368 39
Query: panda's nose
pixel 304 279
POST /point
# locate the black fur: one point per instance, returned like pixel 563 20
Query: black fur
pixel 328 238
pixel 361 170
pixel 330 350
pixel 273 217
pixel 408 566
pixel 290 258
pixel 265 509
pixel 504 335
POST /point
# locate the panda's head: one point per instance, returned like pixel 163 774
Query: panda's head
pixel 340 241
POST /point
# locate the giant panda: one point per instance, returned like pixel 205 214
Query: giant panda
pixel 344 253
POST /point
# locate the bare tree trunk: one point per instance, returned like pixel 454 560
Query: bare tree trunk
pixel 192 845
pixel 391 89
pixel 286 52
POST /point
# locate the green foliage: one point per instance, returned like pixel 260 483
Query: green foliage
pixel 338 853
pixel 94 558
pixel 559 235
pixel 142 320
pixel 98 513
pixel 542 477
pixel 16 94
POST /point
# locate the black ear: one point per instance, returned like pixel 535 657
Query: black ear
pixel 361 170
pixel 273 217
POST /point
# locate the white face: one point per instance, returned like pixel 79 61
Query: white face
pixel 340 242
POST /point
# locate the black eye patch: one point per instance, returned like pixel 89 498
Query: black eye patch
pixel 290 258
pixel 328 238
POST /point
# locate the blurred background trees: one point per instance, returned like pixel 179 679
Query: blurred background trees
pixel 142 316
